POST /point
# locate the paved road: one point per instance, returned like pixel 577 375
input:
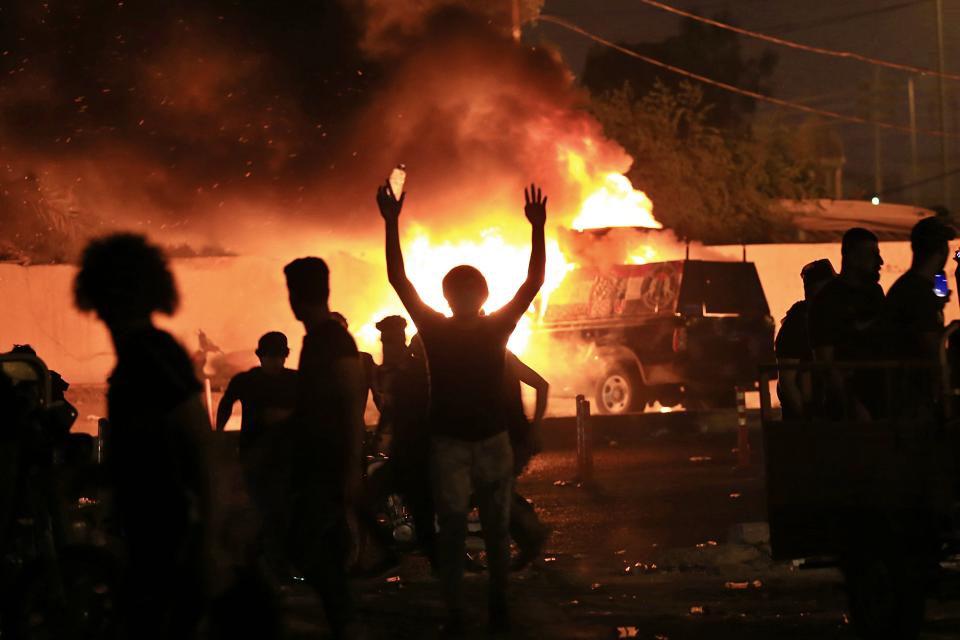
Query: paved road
pixel 646 553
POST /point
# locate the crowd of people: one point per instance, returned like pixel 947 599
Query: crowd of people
pixel 451 419
pixel 847 324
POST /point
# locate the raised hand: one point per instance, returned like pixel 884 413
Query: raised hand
pixel 535 205
pixel 389 205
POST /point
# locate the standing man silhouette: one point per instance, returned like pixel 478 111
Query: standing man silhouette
pixel 470 448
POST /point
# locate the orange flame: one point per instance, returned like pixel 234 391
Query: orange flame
pixel 609 200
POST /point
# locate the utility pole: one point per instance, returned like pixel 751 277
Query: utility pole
pixel 912 103
pixel 877 151
pixel 944 161
pixel 515 10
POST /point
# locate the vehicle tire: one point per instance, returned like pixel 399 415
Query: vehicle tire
pixel 620 391
pixel 886 595
pixel 88 610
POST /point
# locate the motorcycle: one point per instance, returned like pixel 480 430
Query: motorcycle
pixel 57 578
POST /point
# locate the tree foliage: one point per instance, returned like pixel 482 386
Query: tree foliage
pixel 706 184
pixel 697 47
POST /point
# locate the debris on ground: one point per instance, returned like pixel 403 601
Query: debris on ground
pixel 698 610
pixel 628 632
pixel 700 458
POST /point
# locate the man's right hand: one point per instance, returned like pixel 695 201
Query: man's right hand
pixel 389 205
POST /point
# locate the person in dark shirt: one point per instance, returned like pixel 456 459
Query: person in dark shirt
pixel 844 322
pixel 795 388
pixel 913 318
pixel 158 454
pixel 470 447
pixel 527 531
pixel 266 393
pixel 324 444
pixel 913 313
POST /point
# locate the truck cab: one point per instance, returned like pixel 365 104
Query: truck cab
pixel 676 332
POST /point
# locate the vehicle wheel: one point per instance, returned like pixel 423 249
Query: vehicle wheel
pixel 88 608
pixel 620 391
pixel 886 596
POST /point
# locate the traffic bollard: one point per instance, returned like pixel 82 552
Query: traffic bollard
pixel 584 441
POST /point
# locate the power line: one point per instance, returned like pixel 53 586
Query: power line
pixel 802 47
pixel 734 89
pixel 791 27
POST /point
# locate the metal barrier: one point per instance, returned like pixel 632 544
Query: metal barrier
pixel 584 441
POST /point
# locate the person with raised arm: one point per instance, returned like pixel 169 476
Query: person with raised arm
pixel 470 448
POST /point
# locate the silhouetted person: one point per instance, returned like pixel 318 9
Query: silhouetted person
pixel 843 321
pixel 913 317
pixel 470 447
pixel 390 373
pixel 410 446
pixel 527 531
pixel 267 396
pixel 325 443
pixel 267 393
pixel 913 313
pixel 158 452
pixel 796 388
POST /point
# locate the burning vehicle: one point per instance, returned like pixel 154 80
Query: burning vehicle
pixel 670 331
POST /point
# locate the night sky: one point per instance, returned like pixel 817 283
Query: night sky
pixel 180 106
pixel 897 30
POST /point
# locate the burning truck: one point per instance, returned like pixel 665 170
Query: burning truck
pixel 657 328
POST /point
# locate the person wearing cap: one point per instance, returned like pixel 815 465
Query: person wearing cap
pixel 266 393
pixel 913 312
pixel 795 388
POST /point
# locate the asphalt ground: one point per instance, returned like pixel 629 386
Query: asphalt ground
pixel 645 551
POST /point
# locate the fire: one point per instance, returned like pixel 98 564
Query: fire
pixel 616 204
pixel 643 255
pixel 503 264
pixel 610 200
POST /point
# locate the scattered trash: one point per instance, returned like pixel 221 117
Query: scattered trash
pixel 550 558
pixel 757 584
pixel 645 567
pixel 596 586
pixel 698 610
pixel 628 569
pixel 735 495
pixel 660 637
pixel 613 444
pixel 620 552
pixel 627 632
pixel 562 483
pixel 700 458
pixel 846 619
pixel 736 586
pixel 708 543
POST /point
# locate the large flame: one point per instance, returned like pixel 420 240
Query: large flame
pixel 608 200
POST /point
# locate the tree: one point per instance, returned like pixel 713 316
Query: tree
pixel 706 185
pixel 699 48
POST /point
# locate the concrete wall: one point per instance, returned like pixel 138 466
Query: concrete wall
pixel 235 300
